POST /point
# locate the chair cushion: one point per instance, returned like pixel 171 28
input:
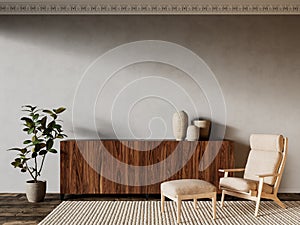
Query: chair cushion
pixel 186 187
pixel 262 162
pixel 266 142
pixel 244 185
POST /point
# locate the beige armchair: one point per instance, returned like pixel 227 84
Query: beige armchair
pixel 263 171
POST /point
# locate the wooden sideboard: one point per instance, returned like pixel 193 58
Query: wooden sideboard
pixel 78 177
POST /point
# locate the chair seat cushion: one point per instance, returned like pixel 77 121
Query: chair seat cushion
pixel 244 185
pixel 187 187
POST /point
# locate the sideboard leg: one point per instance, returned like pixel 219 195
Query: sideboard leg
pixel 147 197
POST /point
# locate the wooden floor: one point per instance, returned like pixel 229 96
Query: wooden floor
pixel 14 208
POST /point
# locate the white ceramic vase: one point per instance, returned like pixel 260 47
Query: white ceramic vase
pixel 192 133
pixel 180 123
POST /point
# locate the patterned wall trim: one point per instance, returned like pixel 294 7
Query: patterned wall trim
pixel 146 9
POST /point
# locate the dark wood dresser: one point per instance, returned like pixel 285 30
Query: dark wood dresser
pixel 114 166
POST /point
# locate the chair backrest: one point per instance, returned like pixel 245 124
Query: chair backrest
pixel 267 156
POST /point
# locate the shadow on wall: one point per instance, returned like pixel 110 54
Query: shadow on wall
pixel 217 131
pixel 241 149
pixel 241 152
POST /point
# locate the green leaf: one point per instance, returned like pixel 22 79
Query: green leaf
pixel 23 157
pixel 52 150
pixel 15 149
pixel 24 169
pixel 54 116
pixel 36 142
pixel 27 142
pixel 26 110
pixel 42 145
pixel 29 125
pixel 35 116
pixel 18 160
pixel 57 126
pixel 49 144
pixel 47 131
pixel 15 164
pixel 60 136
pixel 26 119
pixel 24 150
pixel 51 124
pixel 25 129
pixel 47 111
pixel 34 155
pixel 44 121
pixel 59 110
pixel 43 152
pixel 29 107
pixel 50 136
pixel 37 148
pixel 30 131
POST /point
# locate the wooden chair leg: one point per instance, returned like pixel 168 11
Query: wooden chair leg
pixel 178 209
pixel 214 203
pixel 162 202
pixel 222 198
pixel 257 207
pixel 195 203
pixel 260 187
pixel 280 203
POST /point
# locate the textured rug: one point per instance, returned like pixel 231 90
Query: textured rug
pixel 148 213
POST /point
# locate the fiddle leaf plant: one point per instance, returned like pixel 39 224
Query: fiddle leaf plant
pixel 43 127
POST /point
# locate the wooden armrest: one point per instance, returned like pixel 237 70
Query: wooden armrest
pixel 232 170
pixel 267 175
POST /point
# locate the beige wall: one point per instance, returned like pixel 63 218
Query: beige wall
pixel 254 58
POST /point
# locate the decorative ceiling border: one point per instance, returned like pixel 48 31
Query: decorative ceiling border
pixel 41 8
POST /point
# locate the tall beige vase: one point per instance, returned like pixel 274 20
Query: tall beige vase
pixel 180 124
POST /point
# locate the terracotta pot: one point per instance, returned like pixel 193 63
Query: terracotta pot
pixel 180 123
pixel 35 192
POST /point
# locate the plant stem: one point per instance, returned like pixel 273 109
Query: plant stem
pixel 36 172
pixel 42 165
pixel 31 174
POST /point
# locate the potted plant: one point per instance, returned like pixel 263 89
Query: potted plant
pixel 43 128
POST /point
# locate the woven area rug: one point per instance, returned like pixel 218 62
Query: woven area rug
pixel 148 212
